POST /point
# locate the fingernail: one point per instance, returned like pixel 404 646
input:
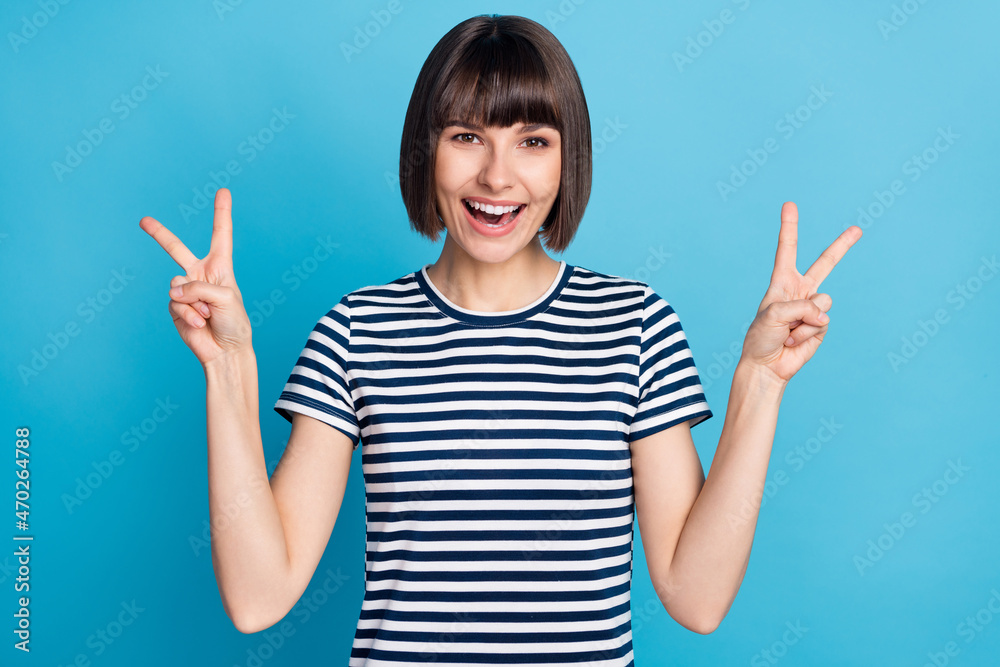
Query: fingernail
pixel 176 291
pixel 789 341
pixel 823 317
pixel 204 310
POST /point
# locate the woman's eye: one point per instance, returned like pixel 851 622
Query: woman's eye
pixel 533 142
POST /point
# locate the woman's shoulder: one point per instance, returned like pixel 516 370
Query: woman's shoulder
pixel 594 274
pixel 592 279
pixel 635 290
pixel 400 289
pixel 403 283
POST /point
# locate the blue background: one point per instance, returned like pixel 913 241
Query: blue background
pixel 681 128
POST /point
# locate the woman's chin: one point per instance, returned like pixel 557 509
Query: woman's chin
pixel 491 251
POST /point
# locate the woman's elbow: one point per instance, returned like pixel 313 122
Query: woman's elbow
pixel 703 626
pixel 691 615
pixel 248 624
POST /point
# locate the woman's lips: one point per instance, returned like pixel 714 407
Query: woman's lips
pixel 492 230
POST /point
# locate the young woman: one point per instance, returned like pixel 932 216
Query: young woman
pixel 512 408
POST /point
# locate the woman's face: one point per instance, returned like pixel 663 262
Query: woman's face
pixel 504 167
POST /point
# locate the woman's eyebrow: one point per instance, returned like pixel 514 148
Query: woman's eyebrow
pixel 476 128
pixel 537 126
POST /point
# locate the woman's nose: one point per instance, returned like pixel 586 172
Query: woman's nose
pixel 497 172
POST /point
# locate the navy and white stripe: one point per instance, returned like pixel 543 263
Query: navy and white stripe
pixel 495 451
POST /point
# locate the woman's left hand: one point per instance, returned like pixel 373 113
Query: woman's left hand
pixel 790 323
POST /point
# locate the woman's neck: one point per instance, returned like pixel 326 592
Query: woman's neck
pixel 493 286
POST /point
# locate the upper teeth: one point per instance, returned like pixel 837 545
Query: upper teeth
pixel 489 208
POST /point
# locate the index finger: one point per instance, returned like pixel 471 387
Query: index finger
pixel 177 250
pixel 821 268
pixel 222 224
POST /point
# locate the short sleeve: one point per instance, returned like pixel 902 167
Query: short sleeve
pixel 670 390
pixel 319 385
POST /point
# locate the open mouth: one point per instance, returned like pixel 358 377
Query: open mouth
pixel 501 216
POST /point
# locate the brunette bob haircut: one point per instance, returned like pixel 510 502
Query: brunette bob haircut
pixel 497 71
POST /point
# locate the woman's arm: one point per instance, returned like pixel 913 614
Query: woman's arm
pixel 697 533
pixel 267 537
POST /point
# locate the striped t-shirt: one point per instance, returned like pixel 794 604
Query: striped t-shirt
pixel 495 452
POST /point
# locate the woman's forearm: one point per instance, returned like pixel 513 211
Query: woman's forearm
pixel 249 552
pixel 714 546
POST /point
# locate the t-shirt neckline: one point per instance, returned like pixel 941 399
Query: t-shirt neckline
pixel 479 317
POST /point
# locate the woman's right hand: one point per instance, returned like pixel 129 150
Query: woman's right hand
pixel 209 312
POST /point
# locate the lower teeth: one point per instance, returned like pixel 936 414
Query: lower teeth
pixel 512 215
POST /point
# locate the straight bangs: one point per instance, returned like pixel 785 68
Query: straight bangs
pixel 498 82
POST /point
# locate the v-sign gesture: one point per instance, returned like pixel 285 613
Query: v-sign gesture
pixel 791 320
pixel 205 302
